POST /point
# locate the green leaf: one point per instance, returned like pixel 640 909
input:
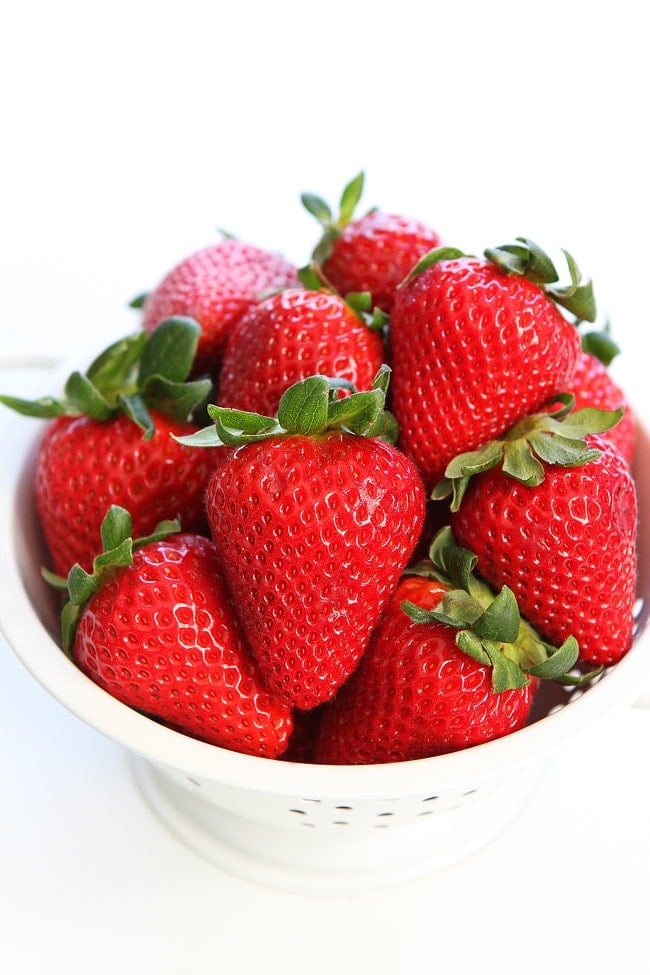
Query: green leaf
pixel 176 400
pixel 472 645
pixel 45 408
pixel 84 396
pixel 135 408
pixel 540 268
pixel 458 608
pixel 54 580
pixel 434 256
pixel 580 423
pixel 455 562
pixel 417 613
pixel 116 526
pixel 70 615
pixel 310 278
pixel 170 350
pixel 303 408
pixel 524 258
pixel 500 621
pixel 560 451
pixel 114 369
pixel 475 461
pixel 115 558
pixel 577 297
pixel 317 206
pixel 384 428
pixel 506 675
pixel 560 661
pixel 205 437
pixel 600 345
pixel 139 300
pixel 251 423
pixel 520 463
pixel 358 412
pixel 162 530
pixel 349 199
pixel 81 584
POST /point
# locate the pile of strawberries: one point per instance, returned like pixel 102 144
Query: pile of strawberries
pixel 350 513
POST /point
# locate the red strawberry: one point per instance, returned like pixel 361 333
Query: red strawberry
pixel 592 385
pixel 154 627
pixel 314 518
pixel 215 286
pixel 109 442
pixel 446 669
pixel 371 253
pixel 476 345
pixel 290 336
pixel 558 526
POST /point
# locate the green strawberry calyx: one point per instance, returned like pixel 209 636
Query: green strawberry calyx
pixel 137 373
pixel 333 225
pixel 556 437
pixel 118 546
pixel 526 259
pixel 310 407
pixel 313 278
pixel 490 627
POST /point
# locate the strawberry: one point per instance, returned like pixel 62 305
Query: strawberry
pixel 153 625
pixel 592 385
pixel 447 668
pixel 550 511
pixel 477 344
pixel 290 336
pixel 215 286
pixel 109 441
pixel 371 253
pixel 314 517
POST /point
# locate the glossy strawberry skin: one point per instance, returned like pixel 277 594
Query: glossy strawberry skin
pixel 415 694
pixel 474 349
pixel 83 466
pixel 313 534
pixel 375 253
pixel 593 386
pixel 215 286
pixel 290 336
pixel 161 636
pixel 567 549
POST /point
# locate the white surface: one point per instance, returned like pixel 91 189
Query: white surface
pixel 129 135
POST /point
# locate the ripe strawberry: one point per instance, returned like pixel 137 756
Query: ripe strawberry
pixel 154 627
pixel 314 518
pixel 446 668
pixel 290 336
pixel 592 385
pixel 557 524
pixel 478 344
pixel 371 253
pixel 109 442
pixel 215 286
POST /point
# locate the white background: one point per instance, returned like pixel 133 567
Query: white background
pixel 130 132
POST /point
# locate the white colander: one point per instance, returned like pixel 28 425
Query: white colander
pixel 295 826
